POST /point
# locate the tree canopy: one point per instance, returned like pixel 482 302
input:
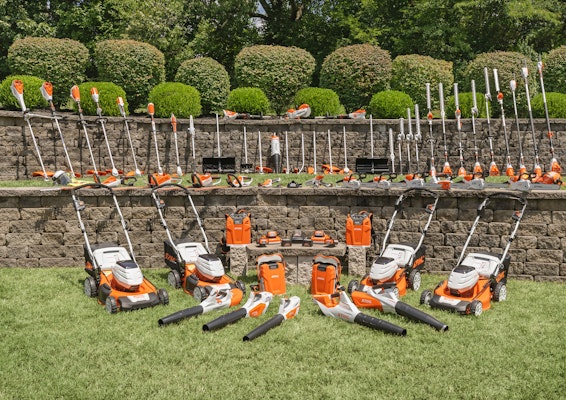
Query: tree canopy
pixel 451 30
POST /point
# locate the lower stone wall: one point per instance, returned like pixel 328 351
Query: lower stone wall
pixel 39 227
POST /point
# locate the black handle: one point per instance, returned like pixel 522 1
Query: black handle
pixel 379 324
pixel 260 330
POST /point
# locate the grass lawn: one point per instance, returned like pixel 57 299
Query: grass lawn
pixel 57 343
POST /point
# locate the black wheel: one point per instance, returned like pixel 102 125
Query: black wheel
pixel 500 292
pixel 414 280
pixel 353 286
pixel 163 296
pixel 426 297
pixel 90 287
pixel 476 308
pixel 174 279
pixel 111 305
pixel 199 293
pixel 240 285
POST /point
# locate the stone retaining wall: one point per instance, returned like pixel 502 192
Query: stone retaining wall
pixel 19 159
pixel 39 228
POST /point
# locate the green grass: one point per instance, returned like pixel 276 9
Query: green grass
pixel 283 180
pixel 57 343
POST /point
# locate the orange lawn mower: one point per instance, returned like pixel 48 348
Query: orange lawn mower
pixel 399 265
pixel 193 267
pixel 114 276
pixel 480 277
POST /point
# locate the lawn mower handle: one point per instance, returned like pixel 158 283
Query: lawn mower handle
pixel 180 315
pixel 379 324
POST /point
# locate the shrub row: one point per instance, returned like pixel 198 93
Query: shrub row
pixel 350 77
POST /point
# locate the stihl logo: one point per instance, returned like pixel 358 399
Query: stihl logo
pixel 366 301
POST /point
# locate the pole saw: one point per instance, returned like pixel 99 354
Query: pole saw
pixel 522 168
pixel 478 170
pixel 446 170
pixel 120 103
pixel 508 168
pixel 537 169
pixel 462 169
pixel 429 117
pixel 554 165
pixel 174 127
pixel 410 138
pixel 493 170
pixel 418 135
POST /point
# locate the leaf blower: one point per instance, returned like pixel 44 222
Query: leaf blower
pixel 256 305
pixel 339 305
pixel 216 300
pixel 288 309
pixel 386 301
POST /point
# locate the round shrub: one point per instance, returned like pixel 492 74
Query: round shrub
pixel 32 95
pixel 279 71
pixel 108 92
pixel 210 78
pixel 555 70
pixel 175 98
pixel 390 104
pixel 411 73
pixel 556 103
pixel 321 101
pixel 509 65
pixel 62 62
pixel 248 100
pixel 135 66
pixel 466 104
pixel 355 73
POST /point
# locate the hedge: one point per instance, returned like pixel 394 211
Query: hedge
pixel 32 94
pixel 108 92
pixel 210 78
pixel 390 104
pixel 321 101
pixel 135 66
pixel 175 98
pixel 279 71
pixel 62 62
pixel 248 100
pixel 355 73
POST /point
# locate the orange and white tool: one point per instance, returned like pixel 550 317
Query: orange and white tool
pixel 288 309
pixel 121 107
pixel 256 306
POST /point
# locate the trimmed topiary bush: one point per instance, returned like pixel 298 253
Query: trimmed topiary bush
pixel 175 98
pixel 135 66
pixel 108 92
pixel 279 71
pixel 466 104
pixel 321 101
pixel 390 104
pixel 62 62
pixel 554 70
pixel 248 100
pixel 556 103
pixel 210 78
pixel 411 73
pixel 32 94
pixel 355 73
pixel 508 66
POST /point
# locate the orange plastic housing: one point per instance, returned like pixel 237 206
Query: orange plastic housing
pixel 238 228
pixel 358 229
